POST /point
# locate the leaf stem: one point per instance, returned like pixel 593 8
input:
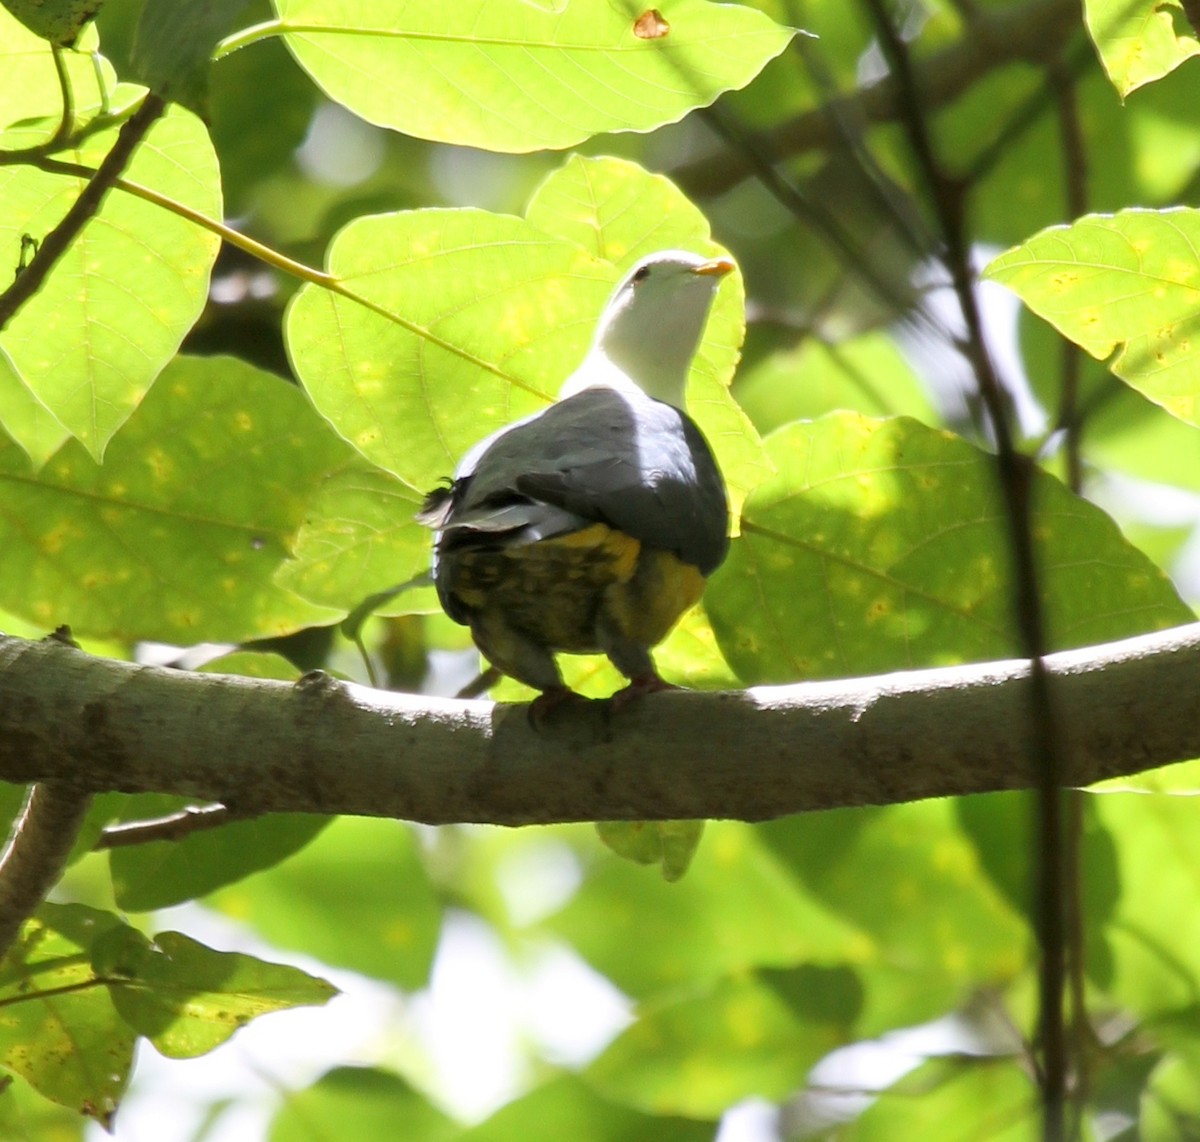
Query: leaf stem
pixel 254 34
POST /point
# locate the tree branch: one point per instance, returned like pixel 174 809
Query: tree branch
pixel 326 747
pixel 37 853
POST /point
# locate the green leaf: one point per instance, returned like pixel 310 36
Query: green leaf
pixel 1137 40
pixel 565 1107
pixel 116 305
pixel 1130 279
pixel 179 534
pixel 186 998
pixel 700 1055
pixel 58 1028
pixel 359 537
pixel 507 75
pixel 881 545
pixel 163 873
pixel 360 1102
pixel 356 897
pixel 766 918
pixel 670 844
pixel 954 1100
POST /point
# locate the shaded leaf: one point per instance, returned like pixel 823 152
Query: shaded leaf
pixel 648 936
pixel 669 844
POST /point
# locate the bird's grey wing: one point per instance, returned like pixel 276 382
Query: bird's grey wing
pixel 640 466
pixel 602 455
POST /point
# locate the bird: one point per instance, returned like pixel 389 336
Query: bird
pixel 592 525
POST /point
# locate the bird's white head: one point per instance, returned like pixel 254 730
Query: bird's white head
pixel 651 327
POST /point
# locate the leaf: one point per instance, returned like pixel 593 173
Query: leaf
pixel 116 305
pixel 58 1028
pixel 356 897
pixel 360 1102
pixel 670 844
pixel 700 1055
pixel 186 998
pixel 1130 279
pixel 507 75
pixel 1137 40
pixel 882 545
pixel 178 536
pixel 448 325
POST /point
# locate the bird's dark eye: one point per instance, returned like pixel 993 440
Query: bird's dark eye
pixel 641 274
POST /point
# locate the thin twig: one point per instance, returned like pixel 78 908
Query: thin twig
pixel 56 243
pixel 172 827
pixel 37 852
pixel 1075 171
pixel 1035 31
pixel 947 198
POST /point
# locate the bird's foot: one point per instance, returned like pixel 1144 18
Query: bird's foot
pixel 643 684
pixel 547 702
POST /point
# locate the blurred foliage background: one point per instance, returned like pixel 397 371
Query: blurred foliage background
pixel 222 443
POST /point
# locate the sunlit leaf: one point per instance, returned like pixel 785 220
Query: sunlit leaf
pixel 508 75
pixel 1139 41
pixel 116 305
pixel 1130 280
